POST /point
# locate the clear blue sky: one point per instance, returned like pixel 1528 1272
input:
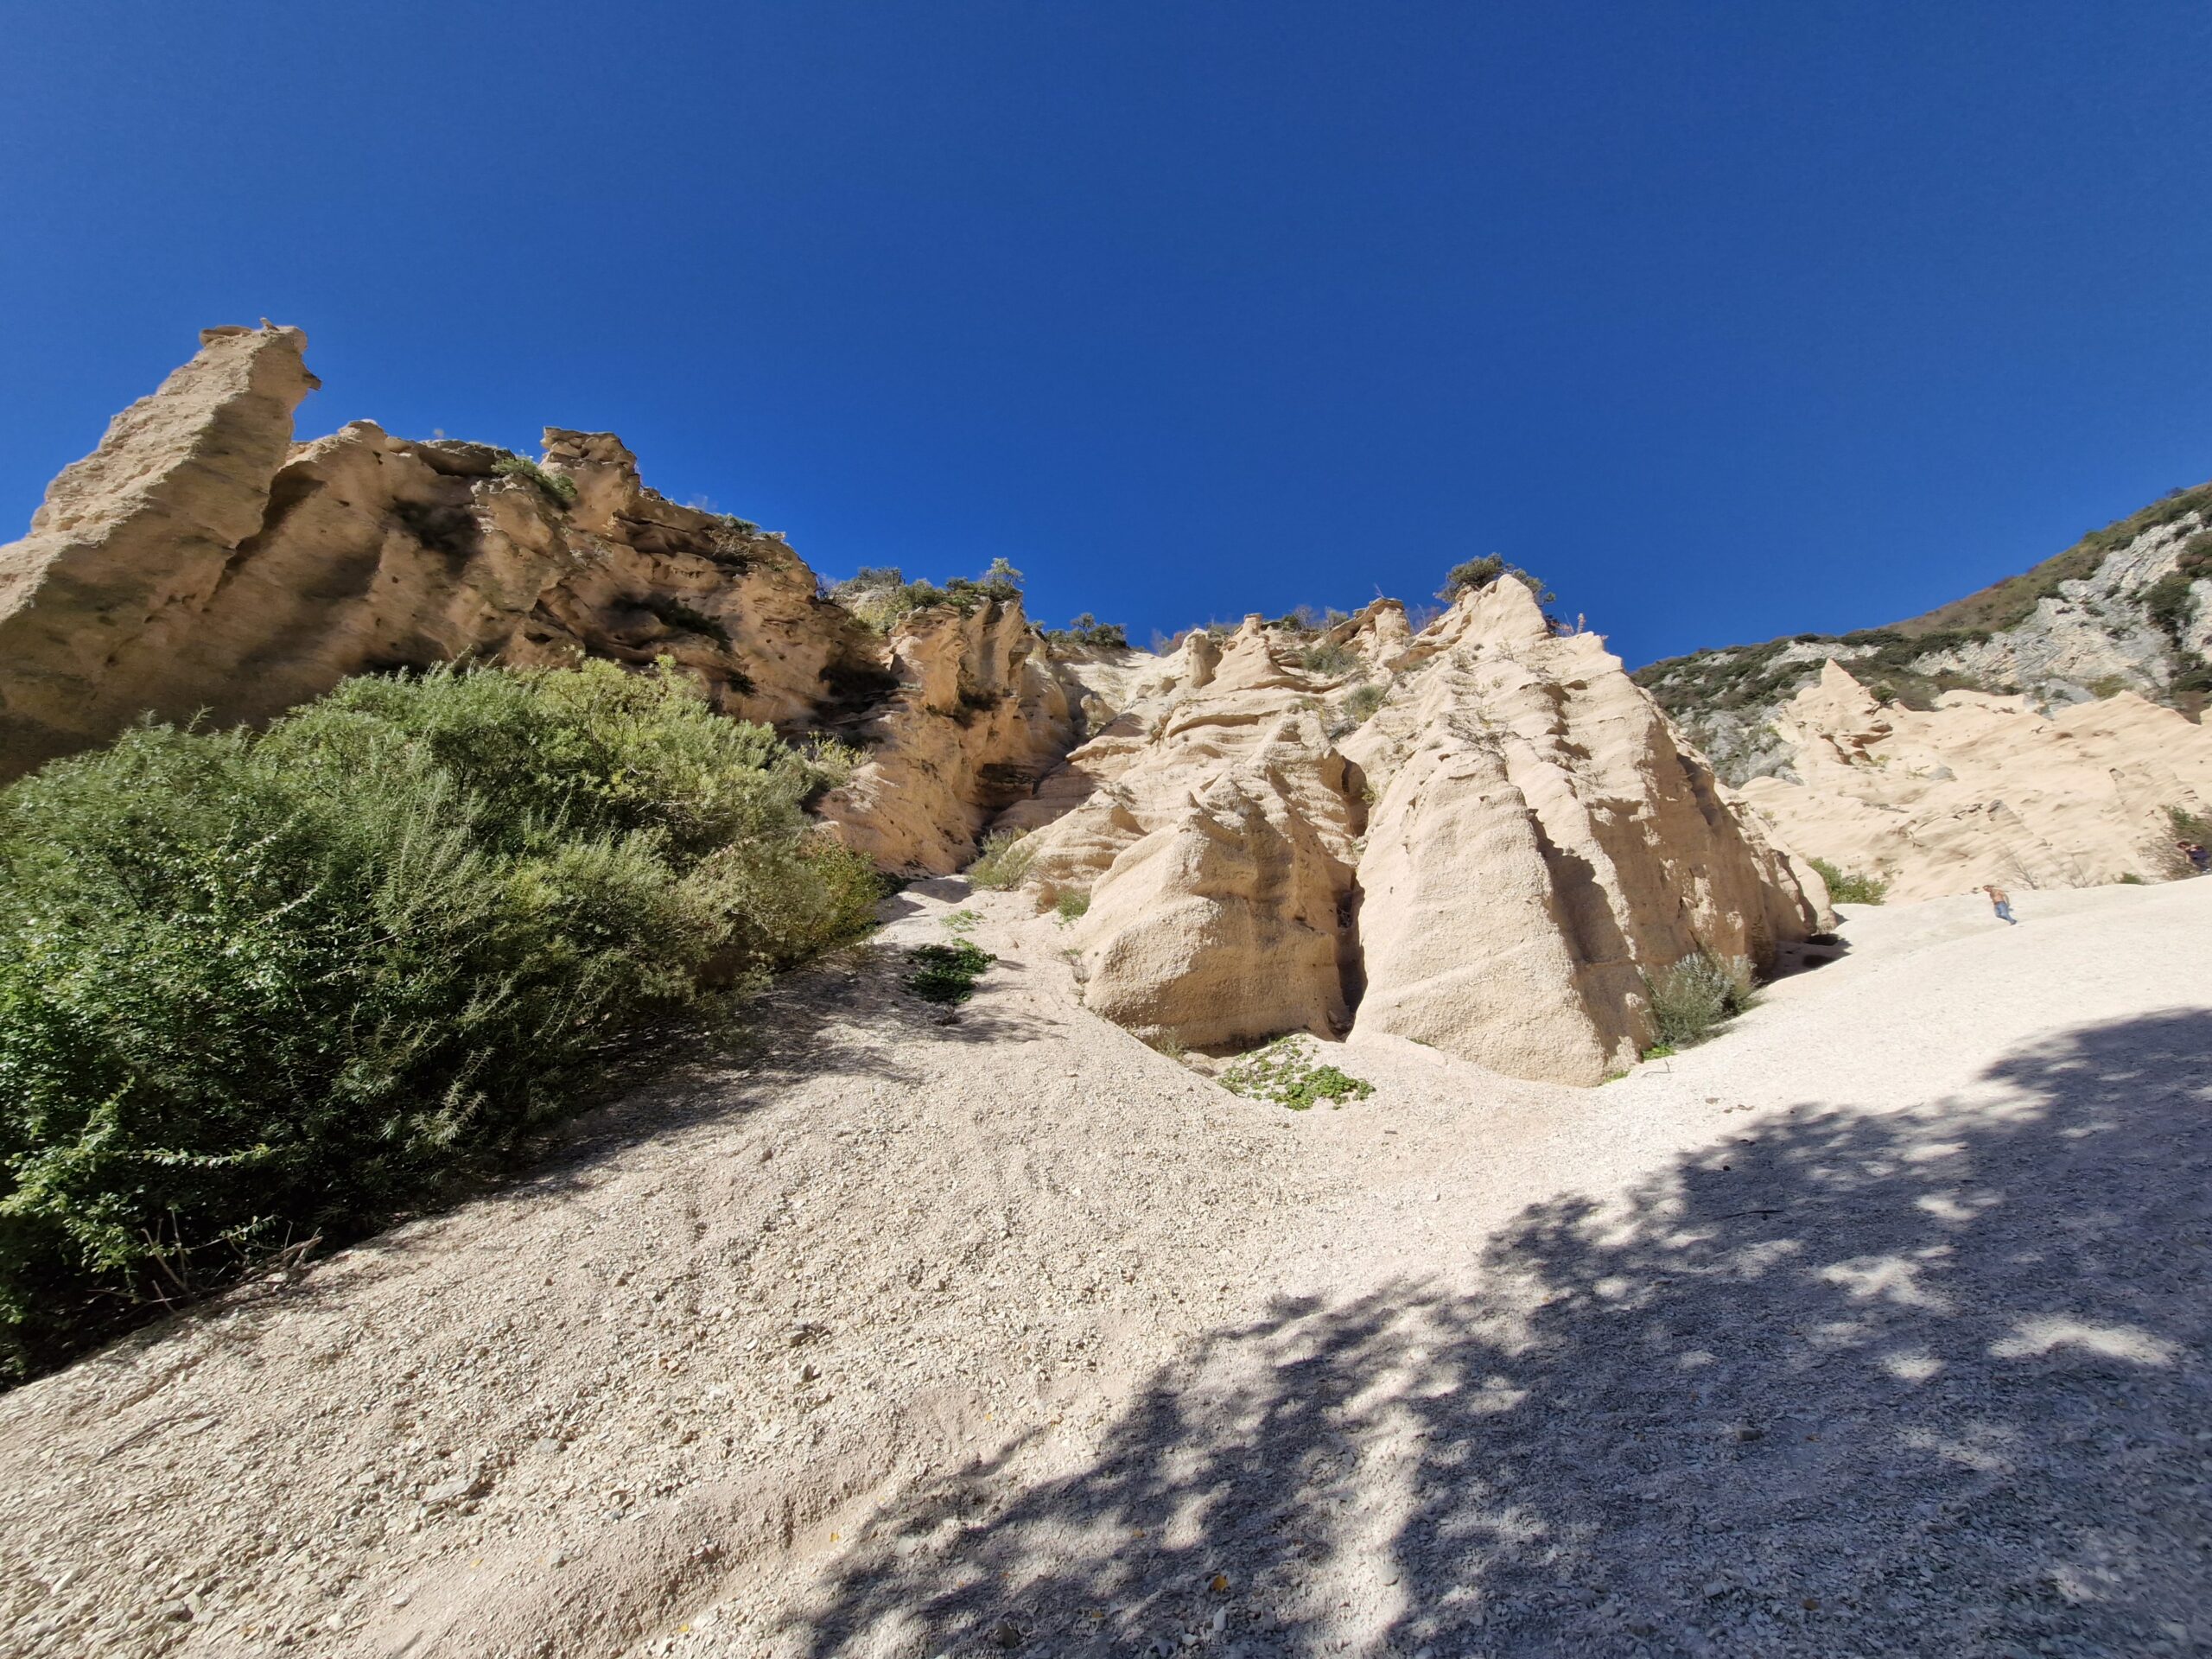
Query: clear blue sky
pixel 1730 319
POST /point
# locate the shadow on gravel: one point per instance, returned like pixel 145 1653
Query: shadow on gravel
pixel 1930 1383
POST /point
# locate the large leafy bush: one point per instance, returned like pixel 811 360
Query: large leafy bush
pixel 259 989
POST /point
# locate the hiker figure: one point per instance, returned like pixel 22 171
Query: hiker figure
pixel 2199 859
pixel 2001 902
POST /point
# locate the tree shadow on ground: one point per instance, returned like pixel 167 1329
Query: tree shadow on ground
pixel 1927 1382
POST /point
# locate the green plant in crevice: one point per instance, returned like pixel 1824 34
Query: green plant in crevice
pixel 1002 861
pixel 1694 998
pixel 1362 701
pixel 557 487
pixel 1071 905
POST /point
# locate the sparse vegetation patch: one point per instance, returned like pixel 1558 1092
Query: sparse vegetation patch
pixel 1691 999
pixel 1847 887
pixel 947 973
pixel 1287 1074
pixel 556 487
pixel 1088 630
pixel 879 596
pixel 1002 861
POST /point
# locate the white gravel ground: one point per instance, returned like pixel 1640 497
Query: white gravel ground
pixel 1878 1325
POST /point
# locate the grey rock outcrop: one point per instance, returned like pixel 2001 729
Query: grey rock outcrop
pixel 2129 608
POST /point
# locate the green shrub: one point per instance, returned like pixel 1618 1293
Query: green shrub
pixel 1482 572
pixel 1284 1074
pixel 880 595
pixel 1088 630
pixel 254 990
pixel 1845 887
pixel 1002 860
pixel 961 923
pixel 833 762
pixel 1362 701
pixel 947 973
pixel 1071 907
pixel 1695 995
pixel 557 487
pixel 1324 657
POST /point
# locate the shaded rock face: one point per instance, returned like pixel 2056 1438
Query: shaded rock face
pixel 200 562
pixel 1489 864
pixel 1983 788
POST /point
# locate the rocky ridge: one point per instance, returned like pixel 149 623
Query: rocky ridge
pixel 2127 608
pixel 200 563
pixel 1983 788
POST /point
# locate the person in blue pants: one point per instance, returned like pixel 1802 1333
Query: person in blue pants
pixel 2001 902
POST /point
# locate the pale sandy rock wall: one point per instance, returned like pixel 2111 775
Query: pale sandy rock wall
pixel 1983 788
pixel 977 720
pixel 201 563
pixel 1490 864
pixel 1634 859
pixel 140 532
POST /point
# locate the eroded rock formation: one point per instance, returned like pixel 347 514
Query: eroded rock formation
pixel 200 563
pixel 1983 788
pixel 1489 863
pixel 1480 837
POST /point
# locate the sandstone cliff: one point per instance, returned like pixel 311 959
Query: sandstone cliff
pixel 200 563
pixel 1982 788
pixel 2127 608
pixel 1480 838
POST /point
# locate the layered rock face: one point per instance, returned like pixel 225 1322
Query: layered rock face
pixel 201 563
pixel 1489 862
pixel 1983 788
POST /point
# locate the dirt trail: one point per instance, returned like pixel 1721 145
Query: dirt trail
pixel 1876 1327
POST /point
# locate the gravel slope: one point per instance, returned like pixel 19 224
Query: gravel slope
pixel 1876 1327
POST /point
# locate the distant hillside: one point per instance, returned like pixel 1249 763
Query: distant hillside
pixel 2127 607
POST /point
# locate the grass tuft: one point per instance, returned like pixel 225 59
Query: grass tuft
pixel 1002 861
pixel 1693 999
pixel 1847 887
pixel 556 487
